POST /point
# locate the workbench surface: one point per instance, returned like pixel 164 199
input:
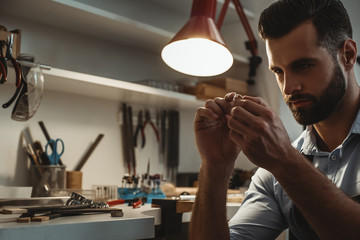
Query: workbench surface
pixel 133 225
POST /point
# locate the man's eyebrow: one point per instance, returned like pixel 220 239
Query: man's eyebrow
pixel 294 63
pixel 303 60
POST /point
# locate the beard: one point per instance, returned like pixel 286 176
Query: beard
pixel 322 106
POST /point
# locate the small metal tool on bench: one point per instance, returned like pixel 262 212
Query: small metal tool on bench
pixel 78 199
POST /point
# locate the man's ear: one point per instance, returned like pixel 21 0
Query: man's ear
pixel 349 54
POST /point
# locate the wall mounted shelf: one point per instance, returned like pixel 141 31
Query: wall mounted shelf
pixel 105 88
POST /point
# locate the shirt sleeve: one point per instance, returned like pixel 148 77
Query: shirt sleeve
pixel 259 216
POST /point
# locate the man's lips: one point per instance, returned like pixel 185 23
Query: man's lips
pixel 300 103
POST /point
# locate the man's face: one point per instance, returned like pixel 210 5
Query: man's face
pixel 323 105
pixel 311 81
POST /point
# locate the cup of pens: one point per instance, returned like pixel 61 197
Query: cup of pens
pixel 45 178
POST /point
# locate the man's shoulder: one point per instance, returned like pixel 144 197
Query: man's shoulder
pixel 263 177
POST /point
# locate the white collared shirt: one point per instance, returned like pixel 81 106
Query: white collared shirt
pixel 267 210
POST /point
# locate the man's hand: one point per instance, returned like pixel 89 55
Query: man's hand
pixel 218 153
pixel 257 129
pixel 212 133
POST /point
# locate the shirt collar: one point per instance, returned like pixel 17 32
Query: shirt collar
pixel 306 143
pixel 355 128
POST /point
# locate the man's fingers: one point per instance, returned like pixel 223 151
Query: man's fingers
pixel 216 106
pixel 205 113
pixel 240 120
pixel 223 104
pixel 257 100
pixel 256 108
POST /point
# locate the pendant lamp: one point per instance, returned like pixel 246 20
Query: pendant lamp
pixel 198 49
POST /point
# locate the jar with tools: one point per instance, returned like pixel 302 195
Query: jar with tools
pixel 46 178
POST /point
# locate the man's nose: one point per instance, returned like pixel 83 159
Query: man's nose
pixel 291 84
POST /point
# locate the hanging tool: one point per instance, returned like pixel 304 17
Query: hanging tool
pixel 13 61
pixel 148 121
pixel 130 138
pixel 173 145
pixel 124 135
pixel 3 68
pixel 163 140
pixel 9 56
pixel 3 72
pixel 138 129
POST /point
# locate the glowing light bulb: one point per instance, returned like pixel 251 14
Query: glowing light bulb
pixel 197 56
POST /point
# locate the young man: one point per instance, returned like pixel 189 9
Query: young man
pixel 306 186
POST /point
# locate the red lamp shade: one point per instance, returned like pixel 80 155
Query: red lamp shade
pixel 198 48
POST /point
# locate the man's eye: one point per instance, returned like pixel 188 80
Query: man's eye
pixel 304 66
pixel 277 71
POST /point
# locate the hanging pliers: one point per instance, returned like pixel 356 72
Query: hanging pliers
pixel 3 68
pixel 10 57
pixel 139 129
pixel 148 121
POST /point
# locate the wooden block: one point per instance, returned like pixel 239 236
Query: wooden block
pixel 40 218
pixel 13 210
pixel 206 91
pixel 117 213
pixel 229 84
pixel 155 205
pixel 23 219
pixel 184 206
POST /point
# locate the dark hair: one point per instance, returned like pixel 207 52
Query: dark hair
pixel 329 17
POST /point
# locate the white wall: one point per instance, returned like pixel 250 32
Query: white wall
pixel 78 120
pixel 353 8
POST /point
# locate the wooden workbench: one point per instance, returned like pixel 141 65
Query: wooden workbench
pixel 135 224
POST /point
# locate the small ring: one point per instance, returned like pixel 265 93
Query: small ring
pixel 236 96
